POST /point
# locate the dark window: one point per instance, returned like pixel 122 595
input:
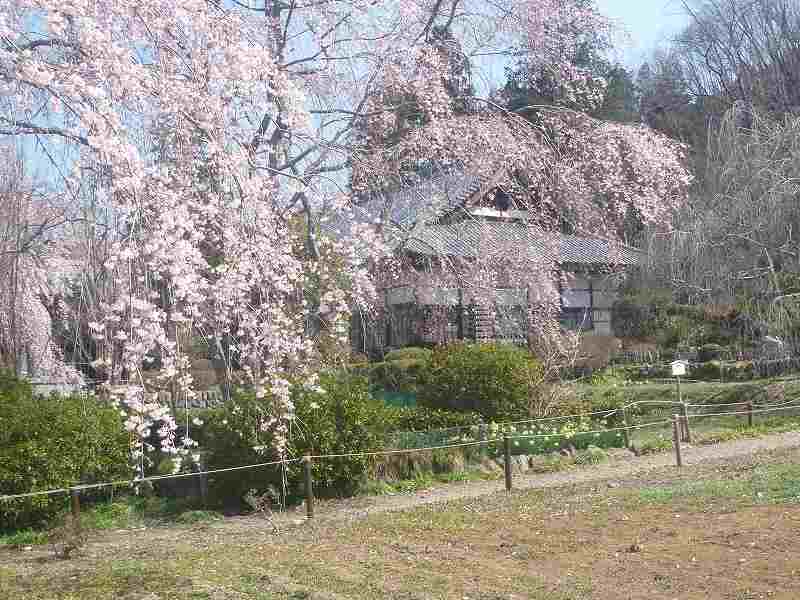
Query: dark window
pixel 576 308
pixel 576 319
pixel 501 200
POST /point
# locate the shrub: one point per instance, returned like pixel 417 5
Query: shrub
pixel 399 375
pixel 630 318
pixel 496 380
pixel 739 371
pixel 357 358
pixel 605 391
pixel 341 419
pixel 706 371
pixel 421 418
pixel 24 537
pixel 709 352
pixel 53 442
pixel 229 438
pixel 412 352
pixel 592 455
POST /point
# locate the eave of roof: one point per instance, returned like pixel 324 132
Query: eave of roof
pixel 472 238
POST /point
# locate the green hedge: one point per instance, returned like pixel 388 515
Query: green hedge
pixel 494 380
pixel 400 375
pixel 54 442
pixel 343 418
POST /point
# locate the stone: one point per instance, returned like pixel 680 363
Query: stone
pixel 520 463
pixel 488 466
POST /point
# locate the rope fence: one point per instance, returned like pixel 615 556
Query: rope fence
pixel 680 426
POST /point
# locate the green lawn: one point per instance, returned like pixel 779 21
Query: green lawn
pixel 706 392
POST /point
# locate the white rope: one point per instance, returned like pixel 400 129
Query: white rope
pixel 669 402
pixel 777 407
pixel 405 450
pixel 592 432
pixel 487 441
pixel 92 486
pixel 745 412
pixel 714 404
pixel 563 417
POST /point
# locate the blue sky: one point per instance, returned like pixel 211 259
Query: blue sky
pixel 648 22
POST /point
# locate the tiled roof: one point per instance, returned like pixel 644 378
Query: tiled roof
pixel 424 201
pixel 410 217
pixel 477 237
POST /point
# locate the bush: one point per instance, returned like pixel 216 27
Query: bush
pixel 399 375
pixel 632 319
pixel 709 352
pixel 50 443
pixel 230 437
pixel 592 455
pixel 341 419
pixel 412 352
pixel 496 380
pixel 739 371
pixel 422 418
pixel 706 371
pixel 605 391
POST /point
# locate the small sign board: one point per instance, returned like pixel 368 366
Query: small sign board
pixel 678 368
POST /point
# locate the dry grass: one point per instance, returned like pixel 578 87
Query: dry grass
pixel 724 531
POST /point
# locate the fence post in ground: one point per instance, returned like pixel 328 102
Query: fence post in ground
pixel 309 487
pixel 687 434
pixel 676 439
pixel 482 436
pixel 507 453
pixel 749 414
pixel 75 498
pixel 625 435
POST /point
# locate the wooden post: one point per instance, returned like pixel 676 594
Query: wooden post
pixel 76 508
pixel 625 436
pixel 750 414
pixel 507 452
pixel 676 439
pixel 482 437
pixel 687 434
pixel 309 487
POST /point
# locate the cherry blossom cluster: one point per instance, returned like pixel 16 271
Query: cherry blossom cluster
pixel 159 96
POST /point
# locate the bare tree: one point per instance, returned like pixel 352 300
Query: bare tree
pixel 737 242
pixel 745 50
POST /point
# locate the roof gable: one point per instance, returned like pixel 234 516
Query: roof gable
pixel 445 216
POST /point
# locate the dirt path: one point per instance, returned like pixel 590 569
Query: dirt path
pixel 218 560
pixel 619 467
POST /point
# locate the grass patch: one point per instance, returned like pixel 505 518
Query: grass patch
pixel 24 537
pixel 763 484
pixel 198 516
pixel 423 480
pixel 111 515
pixel 551 464
pixel 713 430
pixel 591 456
